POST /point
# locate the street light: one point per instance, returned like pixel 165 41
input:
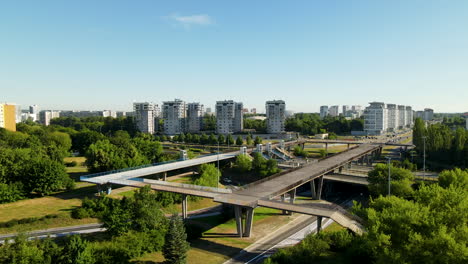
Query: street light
pixel 389 173
pixel 424 157
pixel 218 165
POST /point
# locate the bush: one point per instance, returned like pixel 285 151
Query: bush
pixel 71 164
pixel 28 220
pixel 80 213
pixel 11 192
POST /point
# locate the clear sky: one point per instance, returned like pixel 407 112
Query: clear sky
pixel 106 54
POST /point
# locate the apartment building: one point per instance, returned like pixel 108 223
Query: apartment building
pixel 229 117
pixel 47 115
pixel 195 112
pixel 8 116
pixel 174 114
pixel 323 111
pixel 144 113
pixel 275 116
pixel 375 118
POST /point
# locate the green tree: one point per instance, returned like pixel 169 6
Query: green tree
pixel 258 140
pixel 229 140
pixel 45 176
pixel 208 176
pixel 239 141
pixel 456 177
pixel 221 139
pixel 401 181
pixel 76 251
pixel 249 140
pixel 243 163
pixel 176 246
pixel 212 139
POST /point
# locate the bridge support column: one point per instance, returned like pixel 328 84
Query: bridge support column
pixel 283 199
pixel 238 215
pixel 347 147
pixel 340 169
pixel 184 206
pixel 109 188
pixel 312 189
pixel 165 176
pixel 248 221
pixel 319 190
pixel 303 146
pixel 319 224
pixel 350 164
pixel 326 148
pixel 292 198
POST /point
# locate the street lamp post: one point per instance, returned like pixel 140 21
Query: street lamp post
pixel 218 165
pixel 424 157
pixel 389 174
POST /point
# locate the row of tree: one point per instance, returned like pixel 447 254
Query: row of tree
pixel 259 165
pixel 212 139
pixel 441 144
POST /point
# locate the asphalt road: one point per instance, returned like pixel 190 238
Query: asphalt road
pixel 257 252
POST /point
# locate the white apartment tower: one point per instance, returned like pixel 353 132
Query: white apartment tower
pixel 428 114
pixel 173 114
pixel 401 116
pixel 345 109
pixel 276 116
pixel 334 110
pixel 46 116
pixel 392 117
pixel 375 118
pixel 144 116
pixel 194 117
pixel 323 111
pixel 229 117
pixel 409 116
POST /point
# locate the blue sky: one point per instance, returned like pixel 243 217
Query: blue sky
pixel 107 54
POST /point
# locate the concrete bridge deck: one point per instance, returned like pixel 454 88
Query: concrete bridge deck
pixel 355 142
pixel 169 166
pixel 273 187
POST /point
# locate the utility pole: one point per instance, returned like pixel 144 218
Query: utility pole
pixel 424 157
pixel 389 174
pixel 218 165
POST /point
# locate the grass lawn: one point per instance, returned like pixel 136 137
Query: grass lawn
pixel 59 204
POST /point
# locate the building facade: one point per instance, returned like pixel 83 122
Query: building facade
pixel 375 119
pixel 334 110
pixel 144 116
pixel 275 116
pixel 409 116
pixel 174 114
pixel 428 114
pixel 401 116
pixel 47 115
pixel 323 111
pixel 8 116
pixel 229 117
pixel 392 117
pixel 195 112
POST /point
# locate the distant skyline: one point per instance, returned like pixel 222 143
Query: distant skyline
pixel 95 55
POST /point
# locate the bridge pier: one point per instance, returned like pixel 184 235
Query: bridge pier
pixel 238 215
pixel 248 221
pixel 312 189
pixel 348 147
pixel 244 229
pixel 283 199
pixel 184 206
pixel 165 176
pixel 319 224
pixel 292 198
pixel 319 190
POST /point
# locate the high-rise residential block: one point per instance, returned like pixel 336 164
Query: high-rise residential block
pixel 47 115
pixel 144 113
pixel 392 117
pixel 345 109
pixel 194 117
pixel 428 114
pixel 276 116
pixel 375 118
pixel 34 112
pixel 8 116
pixel 334 110
pixel 409 116
pixel 173 114
pixel 323 111
pixel 229 117
pixel 401 116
